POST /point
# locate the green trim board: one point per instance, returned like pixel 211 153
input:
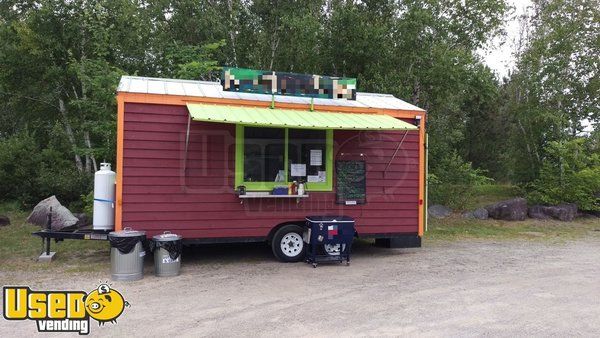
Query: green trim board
pixel 293 118
pixel 268 186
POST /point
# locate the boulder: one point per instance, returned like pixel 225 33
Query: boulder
pixel 468 215
pixel 4 220
pixel 538 212
pixel 509 210
pixel 62 218
pixel 439 211
pixel 83 220
pixel 481 213
pixel 565 212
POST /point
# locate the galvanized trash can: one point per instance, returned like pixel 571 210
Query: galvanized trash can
pixel 127 254
pixel 167 254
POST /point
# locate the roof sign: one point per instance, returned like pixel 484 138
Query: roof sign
pixel 289 84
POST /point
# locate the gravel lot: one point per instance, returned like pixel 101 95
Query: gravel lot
pixel 461 288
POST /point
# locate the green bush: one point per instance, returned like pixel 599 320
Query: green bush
pixel 570 174
pixel 19 168
pixel 30 174
pixel 87 202
pixel 453 182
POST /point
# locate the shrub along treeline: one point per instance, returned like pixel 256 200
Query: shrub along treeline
pixel 60 62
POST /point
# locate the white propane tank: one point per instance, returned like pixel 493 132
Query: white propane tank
pixel 104 198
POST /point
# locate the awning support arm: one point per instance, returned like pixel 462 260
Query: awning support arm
pixel 396 152
pixel 187 142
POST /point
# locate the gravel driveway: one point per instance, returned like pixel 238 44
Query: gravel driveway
pixel 462 288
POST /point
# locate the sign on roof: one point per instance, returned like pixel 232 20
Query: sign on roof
pixel 291 84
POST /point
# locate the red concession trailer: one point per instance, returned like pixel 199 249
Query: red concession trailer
pixel 202 162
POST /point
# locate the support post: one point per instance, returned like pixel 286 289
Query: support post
pixel 49 228
pixel 187 142
pixel 47 255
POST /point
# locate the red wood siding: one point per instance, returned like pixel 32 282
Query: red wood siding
pixel 200 203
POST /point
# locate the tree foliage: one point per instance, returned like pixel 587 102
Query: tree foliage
pixel 556 84
pixel 60 62
pixel 570 173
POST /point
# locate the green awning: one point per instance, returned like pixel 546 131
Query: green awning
pixel 290 118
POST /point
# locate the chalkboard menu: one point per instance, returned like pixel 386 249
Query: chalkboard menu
pixel 351 182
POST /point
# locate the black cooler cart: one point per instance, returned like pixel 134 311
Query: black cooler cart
pixel 329 239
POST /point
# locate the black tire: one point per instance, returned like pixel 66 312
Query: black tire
pixel 290 237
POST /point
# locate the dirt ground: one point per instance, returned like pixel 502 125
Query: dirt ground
pixel 460 288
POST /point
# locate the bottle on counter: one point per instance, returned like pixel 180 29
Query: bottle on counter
pixel 301 188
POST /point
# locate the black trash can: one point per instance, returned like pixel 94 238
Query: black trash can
pixel 329 239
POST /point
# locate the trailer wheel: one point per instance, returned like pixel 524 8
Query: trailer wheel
pixel 287 244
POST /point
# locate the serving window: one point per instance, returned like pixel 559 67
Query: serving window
pixel 264 152
pixel 269 157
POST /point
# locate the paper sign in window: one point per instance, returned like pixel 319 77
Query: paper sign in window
pixel 298 169
pixel 316 157
pixel 321 177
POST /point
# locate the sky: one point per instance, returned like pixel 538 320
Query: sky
pixel 499 57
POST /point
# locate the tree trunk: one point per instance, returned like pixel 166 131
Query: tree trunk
pixel 530 149
pixel 70 135
pixel 273 51
pixel 275 44
pixel 88 143
pixel 232 28
pixel 416 94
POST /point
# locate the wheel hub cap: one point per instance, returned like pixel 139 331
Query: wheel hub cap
pixel 291 244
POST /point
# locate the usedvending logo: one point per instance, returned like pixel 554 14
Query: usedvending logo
pixel 63 311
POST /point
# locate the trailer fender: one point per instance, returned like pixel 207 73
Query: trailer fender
pixel 275 228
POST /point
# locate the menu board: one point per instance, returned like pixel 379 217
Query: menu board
pixel 351 187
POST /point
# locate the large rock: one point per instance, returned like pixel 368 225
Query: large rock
pixel 565 212
pixel 83 220
pixel 62 218
pixel 510 210
pixel 4 220
pixel 468 215
pixel 481 213
pixel 538 212
pixel 439 211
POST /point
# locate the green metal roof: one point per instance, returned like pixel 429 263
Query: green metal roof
pixel 290 118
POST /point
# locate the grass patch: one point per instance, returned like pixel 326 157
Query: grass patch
pixel 19 249
pixel 456 228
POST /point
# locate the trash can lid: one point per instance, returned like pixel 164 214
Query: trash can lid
pixel 127 232
pixel 166 237
pixel 338 219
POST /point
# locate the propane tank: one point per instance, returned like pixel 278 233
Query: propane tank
pixel 104 198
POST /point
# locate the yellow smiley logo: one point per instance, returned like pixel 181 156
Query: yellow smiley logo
pixel 105 304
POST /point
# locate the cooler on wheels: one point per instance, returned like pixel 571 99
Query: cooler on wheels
pixel 329 239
